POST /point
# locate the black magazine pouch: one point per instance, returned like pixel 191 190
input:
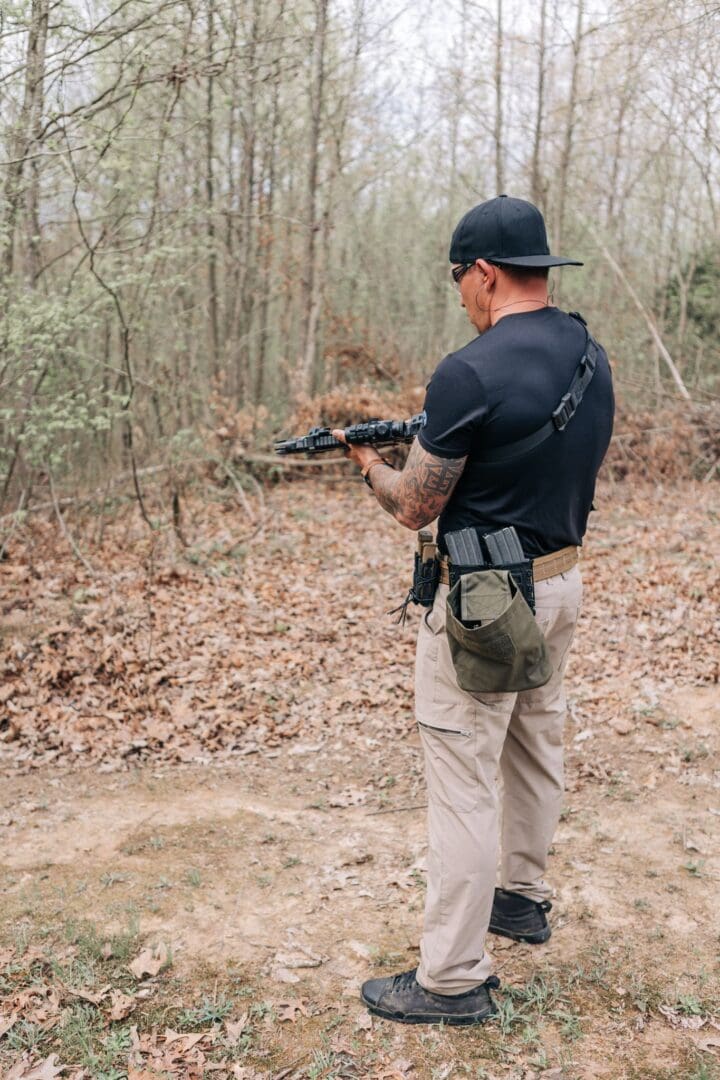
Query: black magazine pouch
pixel 426 571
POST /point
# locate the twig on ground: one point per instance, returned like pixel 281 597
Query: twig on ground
pixel 242 497
pixel 256 520
pixel 396 809
pixel 64 529
pixel 708 475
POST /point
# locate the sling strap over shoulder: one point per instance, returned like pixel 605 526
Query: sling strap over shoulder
pixel 562 414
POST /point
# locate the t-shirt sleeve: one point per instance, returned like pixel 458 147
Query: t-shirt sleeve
pixel 456 407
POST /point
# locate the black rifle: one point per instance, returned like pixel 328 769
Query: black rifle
pixel 370 433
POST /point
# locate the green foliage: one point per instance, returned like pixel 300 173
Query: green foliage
pixel 698 345
pixel 703 311
pixel 55 399
pixel 211 1010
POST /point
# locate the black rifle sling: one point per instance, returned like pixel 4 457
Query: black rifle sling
pixel 561 415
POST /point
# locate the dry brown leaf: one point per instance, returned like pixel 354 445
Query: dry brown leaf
pixel 6 1022
pixel 235 1028
pixel 46 1070
pixel 301 958
pixel 85 995
pixel 24 998
pixel 150 961
pixel 364 1021
pixel 121 1005
pixel 187 1038
pixel 290 1010
pixel 284 976
pixel 689 1023
pixel 360 949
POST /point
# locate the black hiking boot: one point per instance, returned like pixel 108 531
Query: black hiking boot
pixel 402 998
pixel 516 917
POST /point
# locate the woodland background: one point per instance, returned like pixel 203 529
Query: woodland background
pixel 212 210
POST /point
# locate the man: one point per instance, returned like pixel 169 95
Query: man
pixel 496 391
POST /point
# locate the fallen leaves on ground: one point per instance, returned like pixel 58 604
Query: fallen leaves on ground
pixel 121 1005
pixel 196 656
pixel 150 961
pixel 185 656
pixel 46 1070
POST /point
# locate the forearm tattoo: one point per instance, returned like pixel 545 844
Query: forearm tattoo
pixel 416 495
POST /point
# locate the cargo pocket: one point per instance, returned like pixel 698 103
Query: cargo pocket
pixel 451 767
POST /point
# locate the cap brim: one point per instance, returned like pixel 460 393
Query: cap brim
pixel 531 261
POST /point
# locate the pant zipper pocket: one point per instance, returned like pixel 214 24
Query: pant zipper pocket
pixel 444 731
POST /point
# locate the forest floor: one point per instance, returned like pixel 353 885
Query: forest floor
pixel 212 828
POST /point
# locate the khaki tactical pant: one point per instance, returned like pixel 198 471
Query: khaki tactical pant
pixel 467 739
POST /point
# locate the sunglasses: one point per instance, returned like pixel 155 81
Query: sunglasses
pixel 458 271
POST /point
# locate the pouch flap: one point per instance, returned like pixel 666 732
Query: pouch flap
pixel 486 595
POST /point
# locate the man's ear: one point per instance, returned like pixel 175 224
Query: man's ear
pixel 488 270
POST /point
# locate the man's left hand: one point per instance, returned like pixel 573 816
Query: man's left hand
pixel 361 455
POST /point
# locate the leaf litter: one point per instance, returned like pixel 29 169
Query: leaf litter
pixel 191 664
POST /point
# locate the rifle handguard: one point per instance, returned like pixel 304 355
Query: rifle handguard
pixel 319 440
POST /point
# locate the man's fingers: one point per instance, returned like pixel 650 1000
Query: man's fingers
pixel 339 434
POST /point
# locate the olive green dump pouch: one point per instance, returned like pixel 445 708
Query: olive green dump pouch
pixel 507 652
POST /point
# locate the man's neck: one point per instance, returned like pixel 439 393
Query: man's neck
pixel 512 305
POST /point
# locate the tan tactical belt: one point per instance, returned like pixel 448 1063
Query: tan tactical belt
pixel 547 566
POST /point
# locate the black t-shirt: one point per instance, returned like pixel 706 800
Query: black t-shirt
pixel 499 388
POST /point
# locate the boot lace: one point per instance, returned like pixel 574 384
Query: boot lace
pixel 404 981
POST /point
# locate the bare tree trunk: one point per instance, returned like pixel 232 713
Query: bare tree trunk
pixel 250 257
pixel 442 297
pixel 232 201
pixel 210 198
pixel 614 194
pixel 310 283
pixel 537 186
pixel 267 224
pixel 566 156
pixel 28 130
pixel 499 147
pixel 240 290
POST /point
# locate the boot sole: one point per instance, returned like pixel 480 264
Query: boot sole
pixel 538 938
pixel 426 1018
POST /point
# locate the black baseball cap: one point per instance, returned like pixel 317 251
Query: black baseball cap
pixel 510 232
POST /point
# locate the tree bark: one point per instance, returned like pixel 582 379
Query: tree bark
pixel 27 136
pixel 566 155
pixel 214 328
pixel 499 136
pixel 268 227
pixel 310 282
pixel 537 186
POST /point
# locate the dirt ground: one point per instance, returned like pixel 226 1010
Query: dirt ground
pixel 274 871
